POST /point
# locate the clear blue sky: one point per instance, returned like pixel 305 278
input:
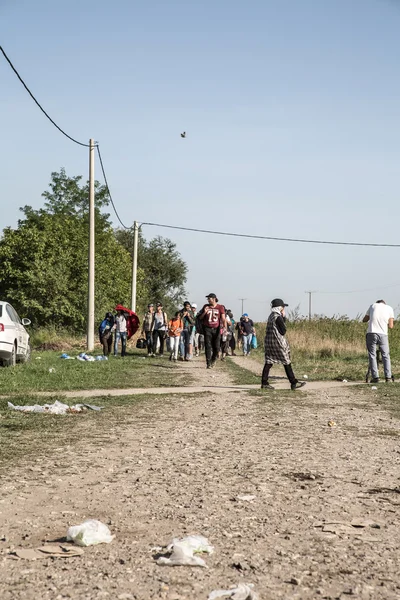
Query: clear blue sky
pixel 292 114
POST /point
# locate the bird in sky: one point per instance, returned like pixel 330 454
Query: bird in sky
pixel 183 135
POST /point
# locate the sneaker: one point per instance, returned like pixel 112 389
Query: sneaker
pixel 212 364
pixel 299 384
pixel 208 366
pixel 266 386
pixel 170 358
pixel 234 354
pixel 375 380
pixel 389 379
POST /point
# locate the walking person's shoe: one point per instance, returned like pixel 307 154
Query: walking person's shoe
pixel 234 354
pixel 375 380
pixel 389 379
pixel 212 364
pixel 170 358
pixel 266 386
pixel 299 384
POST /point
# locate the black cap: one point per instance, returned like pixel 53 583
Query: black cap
pixel 278 302
pixel 159 304
pixel 211 296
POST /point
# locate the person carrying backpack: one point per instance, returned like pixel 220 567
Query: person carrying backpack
pixel 105 333
pixel 212 320
pixel 175 328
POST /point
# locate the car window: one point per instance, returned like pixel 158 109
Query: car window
pixel 16 319
pixel 12 314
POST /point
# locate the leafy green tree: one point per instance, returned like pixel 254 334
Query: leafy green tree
pixel 45 259
pixel 164 271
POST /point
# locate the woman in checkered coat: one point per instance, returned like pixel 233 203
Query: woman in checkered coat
pixel 277 350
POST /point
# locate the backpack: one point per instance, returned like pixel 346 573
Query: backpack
pixel 199 322
pixel 141 344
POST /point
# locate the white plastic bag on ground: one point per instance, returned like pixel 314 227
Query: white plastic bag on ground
pixel 182 554
pixel 58 408
pixel 89 533
pixel 241 592
pixel 197 543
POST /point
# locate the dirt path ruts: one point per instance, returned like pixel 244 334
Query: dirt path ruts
pixel 177 466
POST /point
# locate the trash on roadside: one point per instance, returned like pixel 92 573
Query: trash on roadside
pixel 331 424
pixel 58 408
pixel 67 357
pixel 90 533
pixel 246 498
pixel 38 358
pixel 182 551
pixel 87 357
pixel 101 357
pixel 305 376
pixel 51 370
pixel 374 387
pixel 55 551
pixel 241 592
pixel 345 381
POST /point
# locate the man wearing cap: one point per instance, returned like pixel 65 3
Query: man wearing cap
pixel 188 320
pixel 277 350
pixel 213 319
pixel 146 328
pixel 247 330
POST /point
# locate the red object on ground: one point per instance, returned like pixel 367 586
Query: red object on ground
pixel 132 320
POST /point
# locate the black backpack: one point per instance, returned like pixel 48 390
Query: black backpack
pixel 199 322
pixel 141 344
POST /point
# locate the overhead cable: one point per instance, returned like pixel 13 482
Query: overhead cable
pixel 275 239
pixel 108 189
pixel 38 104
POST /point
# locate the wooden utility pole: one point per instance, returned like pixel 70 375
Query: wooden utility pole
pixel 90 316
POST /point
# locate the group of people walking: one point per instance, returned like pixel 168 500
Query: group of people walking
pixel 214 327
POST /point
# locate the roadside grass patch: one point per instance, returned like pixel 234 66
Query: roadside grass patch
pixel 240 375
pixel 133 371
pixel 26 437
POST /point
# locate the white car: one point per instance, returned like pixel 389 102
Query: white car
pixel 14 339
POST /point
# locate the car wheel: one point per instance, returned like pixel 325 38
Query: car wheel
pixel 26 358
pixel 12 361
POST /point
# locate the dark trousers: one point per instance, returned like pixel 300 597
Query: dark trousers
pixel 160 335
pixel 232 343
pixel 106 341
pixel 212 342
pixel 149 340
pixel 288 371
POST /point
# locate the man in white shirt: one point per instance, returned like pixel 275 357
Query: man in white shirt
pixel 120 329
pixel 379 317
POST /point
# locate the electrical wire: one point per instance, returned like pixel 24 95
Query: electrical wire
pixel 108 188
pixel 276 239
pixel 38 104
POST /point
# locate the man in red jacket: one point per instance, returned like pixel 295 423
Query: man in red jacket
pixel 213 318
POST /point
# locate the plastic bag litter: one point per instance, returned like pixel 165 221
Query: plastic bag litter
pixel 90 533
pixel 181 554
pixel 101 357
pixel 51 370
pixel 183 551
pixel 67 356
pixel 58 408
pixel 198 543
pixel 242 592
pixel 84 356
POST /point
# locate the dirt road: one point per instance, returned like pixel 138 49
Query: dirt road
pixel 178 465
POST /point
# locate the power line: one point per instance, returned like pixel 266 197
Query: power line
pixel 108 189
pixel 276 239
pixel 38 104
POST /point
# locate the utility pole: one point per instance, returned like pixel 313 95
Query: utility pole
pixel 90 317
pixel 242 300
pixel 310 293
pixel 134 264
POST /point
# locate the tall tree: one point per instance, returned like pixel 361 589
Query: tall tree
pixel 45 259
pixel 164 270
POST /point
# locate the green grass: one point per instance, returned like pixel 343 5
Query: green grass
pixel 135 370
pixel 25 437
pixel 241 376
pixel 386 394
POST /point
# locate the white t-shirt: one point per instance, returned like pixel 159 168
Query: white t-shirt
pixel 120 323
pixel 379 315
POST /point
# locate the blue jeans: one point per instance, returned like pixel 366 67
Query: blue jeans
pixel 382 341
pixel 184 343
pixel 246 340
pixel 120 336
